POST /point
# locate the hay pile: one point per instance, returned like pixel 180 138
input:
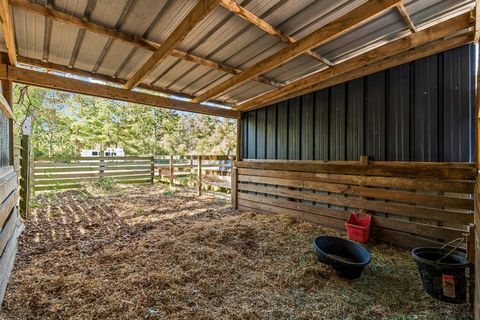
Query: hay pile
pixel 156 254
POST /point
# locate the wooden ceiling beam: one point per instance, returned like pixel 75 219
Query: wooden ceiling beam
pixel 250 17
pixel 132 40
pixel 330 31
pixel 195 16
pixel 51 81
pixel 97 76
pixel 406 17
pixel 316 80
pixel 8 32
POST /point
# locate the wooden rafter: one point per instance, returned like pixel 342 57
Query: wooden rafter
pixel 199 11
pixel 135 41
pixel 51 81
pixel 330 31
pixel 318 80
pixel 247 15
pixel 8 33
pixel 406 17
pixel 96 76
pixel 477 22
pixel 390 62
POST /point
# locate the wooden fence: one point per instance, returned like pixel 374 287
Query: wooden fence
pixel 56 173
pixel 413 204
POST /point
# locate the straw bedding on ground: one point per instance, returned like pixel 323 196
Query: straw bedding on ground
pixel 148 252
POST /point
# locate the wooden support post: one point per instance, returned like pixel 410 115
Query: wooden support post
pixel 471 260
pixel 101 168
pixel 233 188
pixel 199 176
pixel 171 170
pixel 25 176
pixel 152 168
pixel 364 160
pixel 32 173
pixel 7 90
pixel 191 170
pixel 238 153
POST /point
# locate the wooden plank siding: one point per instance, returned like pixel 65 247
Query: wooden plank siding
pixel 398 194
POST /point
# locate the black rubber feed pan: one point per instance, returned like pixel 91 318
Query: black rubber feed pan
pixel 446 279
pixel 346 257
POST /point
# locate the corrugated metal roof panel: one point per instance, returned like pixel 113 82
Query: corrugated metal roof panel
pixel 167 22
pixel 143 16
pixel 107 12
pixel 114 58
pixel 29 33
pixel 246 90
pixel 137 57
pixel 209 77
pixel 90 49
pixel 222 37
pixel 382 29
pixel 62 42
pixel 294 69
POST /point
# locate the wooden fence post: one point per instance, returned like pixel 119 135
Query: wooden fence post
pixel 152 168
pixel 191 169
pixel 32 173
pixel 101 168
pixel 471 259
pixel 233 188
pixel 199 176
pixel 171 170
pixel 25 176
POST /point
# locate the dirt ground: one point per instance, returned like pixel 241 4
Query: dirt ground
pixel 154 253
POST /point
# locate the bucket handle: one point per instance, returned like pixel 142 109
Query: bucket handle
pixel 462 240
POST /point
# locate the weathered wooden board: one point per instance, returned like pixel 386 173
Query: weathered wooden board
pixel 8 256
pixel 414 203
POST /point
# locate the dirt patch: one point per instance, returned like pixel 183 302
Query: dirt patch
pixel 148 252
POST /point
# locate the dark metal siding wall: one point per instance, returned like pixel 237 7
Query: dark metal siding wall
pixel 421 111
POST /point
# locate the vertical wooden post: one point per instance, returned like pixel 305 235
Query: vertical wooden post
pixel 238 154
pixel 171 170
pixel 7 91
pixel 191 170
pixel 233 188
pixel 364 160
pixel 101 168
pixel 24 176
pixel 199 176
pixel 152 169
pixel 471 260
pixel 32 173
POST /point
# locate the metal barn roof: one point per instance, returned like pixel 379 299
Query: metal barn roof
pixel 222 37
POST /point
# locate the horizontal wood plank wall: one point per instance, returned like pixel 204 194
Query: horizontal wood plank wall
pixel 54 173
pixel 10 224
pixel 413 203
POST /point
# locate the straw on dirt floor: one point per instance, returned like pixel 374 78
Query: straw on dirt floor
pixel 153 253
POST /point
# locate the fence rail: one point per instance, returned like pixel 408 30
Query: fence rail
pixel 50 173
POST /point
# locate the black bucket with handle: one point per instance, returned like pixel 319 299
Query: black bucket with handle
pixel 443 272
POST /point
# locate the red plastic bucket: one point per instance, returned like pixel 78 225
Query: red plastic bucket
pixel 358 226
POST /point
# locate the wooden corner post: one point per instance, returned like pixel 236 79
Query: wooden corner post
pixel 199 176
pixel 152 169
pixel 25 168
pixel 234 182
pixel 171 170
